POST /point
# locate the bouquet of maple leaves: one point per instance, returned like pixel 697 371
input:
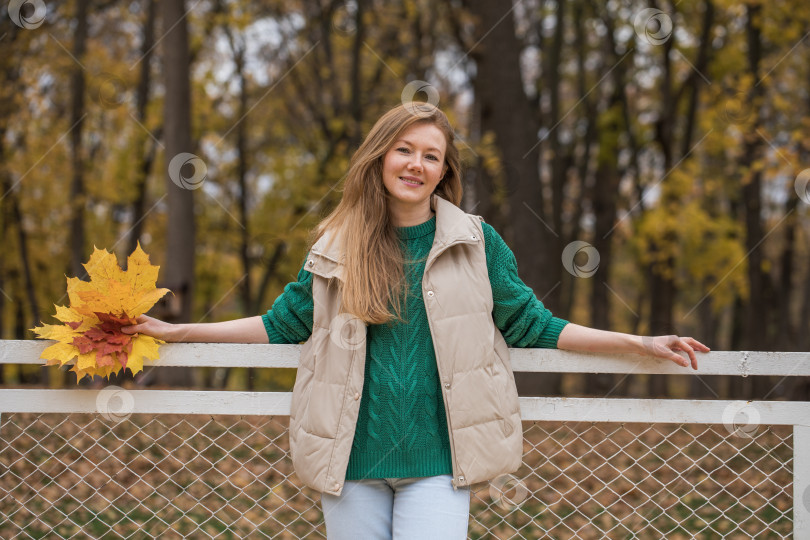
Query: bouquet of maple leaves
pixel 91 334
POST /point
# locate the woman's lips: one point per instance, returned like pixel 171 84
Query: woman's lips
pixel 408 181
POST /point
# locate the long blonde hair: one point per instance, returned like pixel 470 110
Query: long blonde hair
pixel 373 261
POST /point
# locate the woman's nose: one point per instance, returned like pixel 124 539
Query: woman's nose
pixel 415 162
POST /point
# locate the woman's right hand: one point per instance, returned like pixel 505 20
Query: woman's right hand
pixel 151 327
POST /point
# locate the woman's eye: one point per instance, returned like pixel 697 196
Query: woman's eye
pixel 432 157
pixel 403 150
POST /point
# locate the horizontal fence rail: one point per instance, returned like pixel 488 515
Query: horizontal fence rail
pixel 128 463
pixel 550 409
pixel 743 363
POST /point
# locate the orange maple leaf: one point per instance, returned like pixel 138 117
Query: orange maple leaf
pixel 91 336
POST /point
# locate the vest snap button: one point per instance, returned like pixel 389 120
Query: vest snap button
pixel 337 487
pixel 430 294
pixel 311 263
pixel 356 396
pixel 460 478
pixel 474 237
pixel 447 385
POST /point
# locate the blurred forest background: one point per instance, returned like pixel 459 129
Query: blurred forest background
pixel 669 140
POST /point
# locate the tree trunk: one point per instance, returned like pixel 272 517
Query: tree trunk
pixel 241 177
pixel 270 271
pixel 758 309
pixel 3 293
pixel 78 197
pixel 604 208
pixel 609 175
pixel 356 133
pixel 142 99
pixel 5 240
pixel 12 214
pixel 177 121
pixel 801 387
pixel 661 274
pixel 695 80
pixel 804 317
pixel 662 301
pixel 662 288
pixel 557 157
pixel 803 322
pixel 503 109
pixel 706 388
pixel 738 387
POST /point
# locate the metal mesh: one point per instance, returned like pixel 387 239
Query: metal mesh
pixel 642 481
pixel 79 476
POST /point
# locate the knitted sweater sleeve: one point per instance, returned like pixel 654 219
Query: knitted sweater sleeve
pixel 521 317
pixel 290 318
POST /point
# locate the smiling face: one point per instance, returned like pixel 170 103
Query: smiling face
pixel 412 168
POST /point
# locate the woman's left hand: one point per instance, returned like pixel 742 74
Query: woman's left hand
pixel 665 347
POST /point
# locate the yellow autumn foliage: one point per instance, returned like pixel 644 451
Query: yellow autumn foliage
pixel 91 337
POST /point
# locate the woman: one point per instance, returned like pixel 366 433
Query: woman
pixel 407 306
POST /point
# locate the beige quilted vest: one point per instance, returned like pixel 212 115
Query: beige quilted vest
pixel 480 398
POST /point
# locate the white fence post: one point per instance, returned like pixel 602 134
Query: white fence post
pixel 801 482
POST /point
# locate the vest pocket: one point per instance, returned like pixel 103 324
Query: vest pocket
pixel 323 409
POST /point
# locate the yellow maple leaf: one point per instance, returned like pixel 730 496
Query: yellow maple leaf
pixel 66 314
pixel 91 337
pixel 59 353
pixel 144 347
pixel 57 332
pixel 144 275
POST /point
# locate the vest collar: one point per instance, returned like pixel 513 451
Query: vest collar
pixel 452 225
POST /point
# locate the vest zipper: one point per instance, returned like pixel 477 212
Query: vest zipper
pixel 442 380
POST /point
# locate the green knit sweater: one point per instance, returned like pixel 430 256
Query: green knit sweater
pixel 402 429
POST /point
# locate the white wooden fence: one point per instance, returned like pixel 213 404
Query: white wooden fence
pixel 762 447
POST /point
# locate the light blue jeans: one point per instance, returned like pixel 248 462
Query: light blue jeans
pixel 397 509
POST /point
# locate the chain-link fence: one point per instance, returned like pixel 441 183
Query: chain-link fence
pixel 199 476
